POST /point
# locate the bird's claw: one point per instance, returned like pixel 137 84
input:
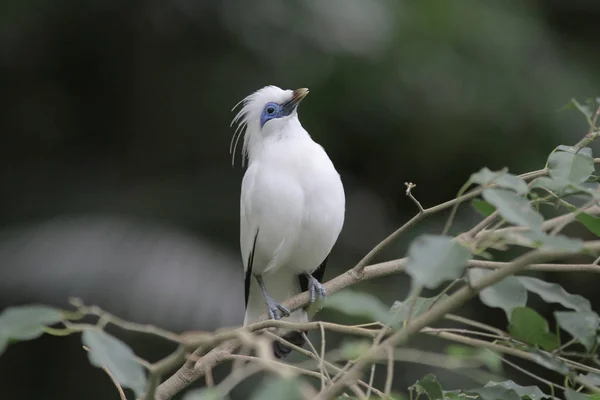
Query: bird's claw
pixel 276 311
pixel 316 289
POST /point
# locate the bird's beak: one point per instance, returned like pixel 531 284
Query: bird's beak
pixel 297 96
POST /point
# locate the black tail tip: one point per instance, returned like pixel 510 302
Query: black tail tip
pixel 280 350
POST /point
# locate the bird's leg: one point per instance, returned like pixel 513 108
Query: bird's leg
pixel 315 288
pixel 274 308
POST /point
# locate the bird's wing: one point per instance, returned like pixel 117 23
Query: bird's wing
pixel 248 228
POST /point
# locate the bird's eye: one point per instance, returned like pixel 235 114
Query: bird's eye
pixel 270 110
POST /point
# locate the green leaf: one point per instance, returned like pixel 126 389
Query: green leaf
pixel 28 322
pixel 25 323
pixel 107 351
pixel 555 243
pixel 429 386
pixel 581 325
pixel 496 393
pixel 502 178
pixel 553 293
pixel 558 186
pixel 507 294
pixel 591 378
pixel 483 207
pixel 433 259
pixel 533 392
pixel 591 222
pixel 278 388
pixel 491 359
pixel 566 165
pixel 400 309
pixel 547 361
pixel 455 395
pixel 205 394
pixel 563 187
pixel 530 327
pixel 358 304
pixel 392 396
pixel 514 208
pixel 509 390
pixel 573 395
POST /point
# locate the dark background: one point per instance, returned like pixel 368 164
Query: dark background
pixel 115 180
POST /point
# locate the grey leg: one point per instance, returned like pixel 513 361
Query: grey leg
pixel 315 288
pixel 276 310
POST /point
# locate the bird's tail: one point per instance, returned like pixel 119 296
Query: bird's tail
pixel 281 285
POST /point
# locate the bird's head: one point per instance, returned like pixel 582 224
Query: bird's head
pixel 263 113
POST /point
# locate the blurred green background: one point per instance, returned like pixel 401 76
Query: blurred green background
pixel 115 180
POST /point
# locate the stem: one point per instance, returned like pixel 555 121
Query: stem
pixel 437 312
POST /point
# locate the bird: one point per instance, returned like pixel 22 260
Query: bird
pixel 292 208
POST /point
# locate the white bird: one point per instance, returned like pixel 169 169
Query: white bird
pixel 292 207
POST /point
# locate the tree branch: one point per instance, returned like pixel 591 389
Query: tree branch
pixel 228 343
pixel 443 307
pixel 428 211
pixel 189 372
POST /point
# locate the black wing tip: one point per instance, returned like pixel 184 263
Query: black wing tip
pixel 249 271
pixel 320 272
pixel 280 350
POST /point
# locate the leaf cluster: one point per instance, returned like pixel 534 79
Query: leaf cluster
pixel 459 267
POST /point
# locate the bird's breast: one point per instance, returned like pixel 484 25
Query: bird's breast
pixel 297 201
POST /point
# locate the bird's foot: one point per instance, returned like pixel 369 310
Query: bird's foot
pixel 315 289
pixel 276 311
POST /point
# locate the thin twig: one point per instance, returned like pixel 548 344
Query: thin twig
pixel 412 298
pixel 482 225
pixel 465 332
pixel 311 355
pixel 445 291
pixel 526 372
pixel 559 227
pixel 389 379
pixel 476 324
pixel 273 365
pixel 237 376
pixel 537 267
pixel 322 369
pixel 454 209
pixel 524 355
pixel 116 383
pixel 594 119
pixel 409 187
pixel 371 378
pixel 323 346
pixel 564 346
pixel 359 393
pixel 420 215
pixel 416 356
pixel 112 378
pixel 451 303
pixel 208 377
pixel 591 134
pixel 428 211
pixel 107 317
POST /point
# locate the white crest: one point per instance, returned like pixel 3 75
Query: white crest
pixel 248 118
